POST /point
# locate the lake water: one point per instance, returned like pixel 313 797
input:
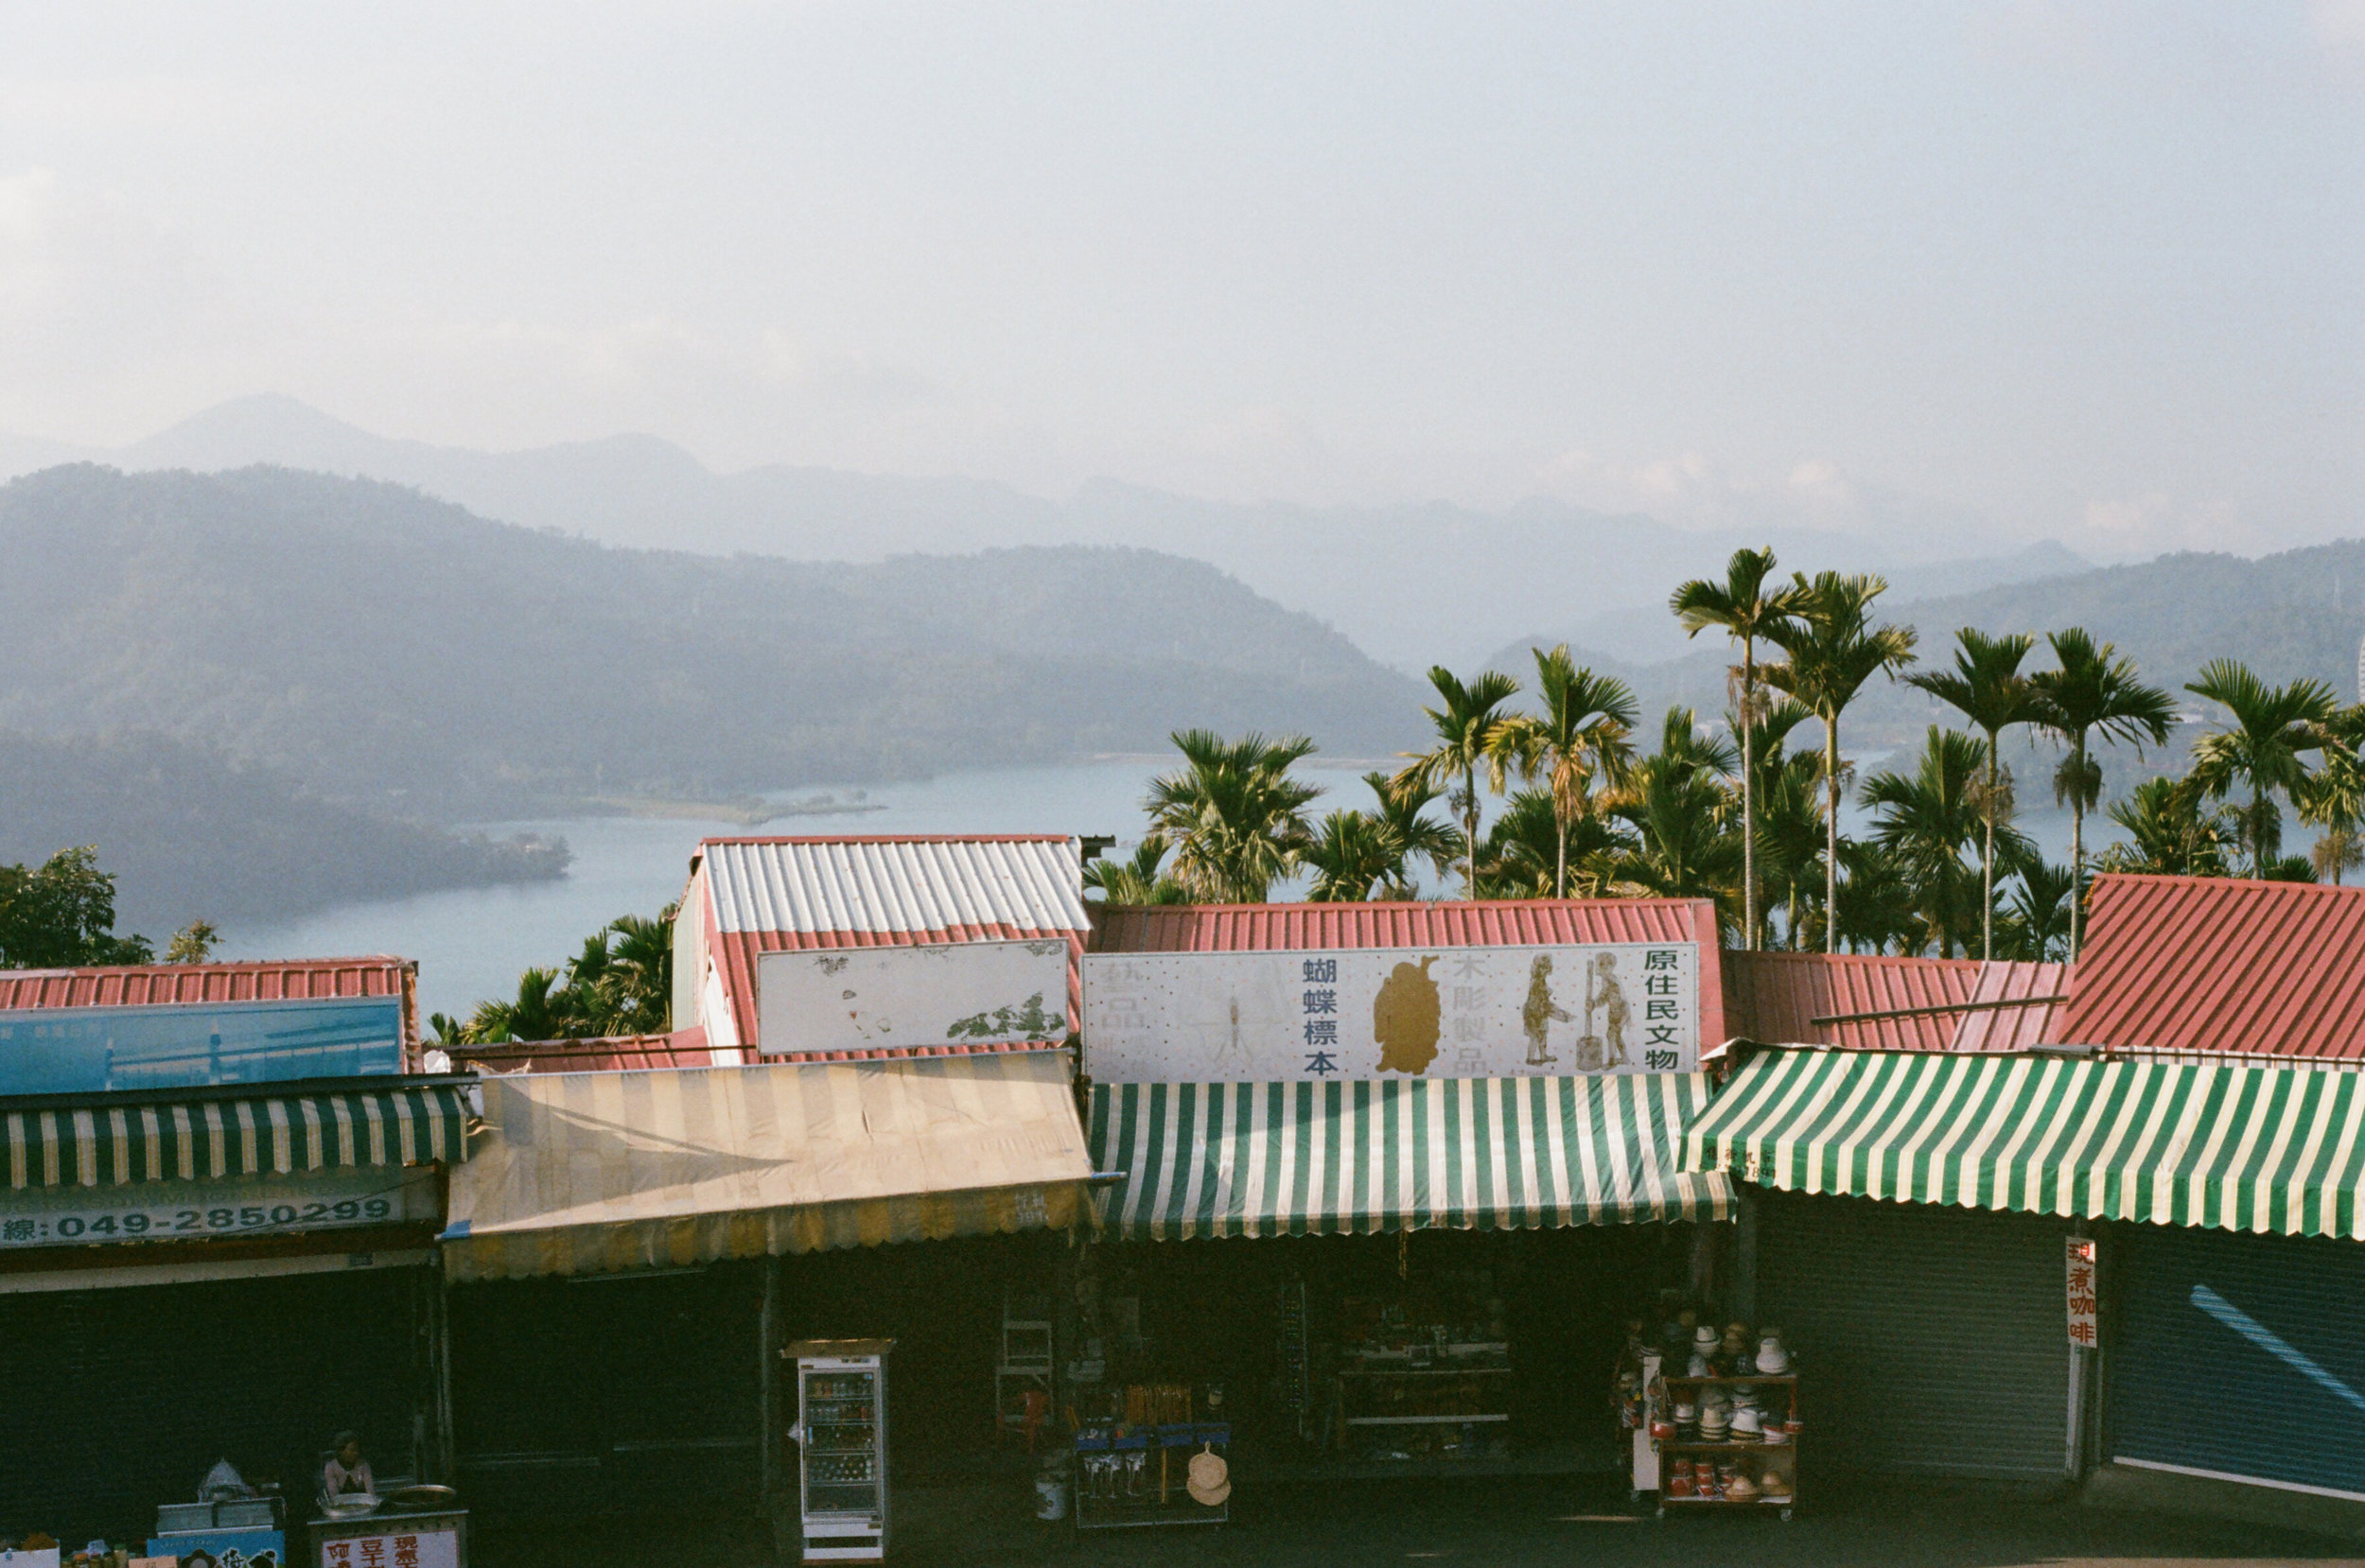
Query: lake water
pixel 472 943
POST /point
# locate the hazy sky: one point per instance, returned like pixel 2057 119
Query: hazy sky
pixel 2095 272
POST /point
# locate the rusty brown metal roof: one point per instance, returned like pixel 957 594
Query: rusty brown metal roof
pixel 601 1053
pixel 1528 922
pixel 2213 964
pixel 184 984
pixel 1776 997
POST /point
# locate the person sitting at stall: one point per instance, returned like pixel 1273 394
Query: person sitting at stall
pixel 346 1472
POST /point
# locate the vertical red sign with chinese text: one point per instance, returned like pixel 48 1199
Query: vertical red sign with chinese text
pixel 2081 1292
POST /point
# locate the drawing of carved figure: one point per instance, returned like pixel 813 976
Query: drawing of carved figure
pixel 1540 1012
pixel 1604 993
pixel 1405 1019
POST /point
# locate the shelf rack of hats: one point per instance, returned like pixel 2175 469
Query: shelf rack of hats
pixel 1726 1429
pixel 1159 1465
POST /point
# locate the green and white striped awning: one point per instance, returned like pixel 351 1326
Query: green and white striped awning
pixel 2268 1149
pixel 112 1144
pixel 1336 1159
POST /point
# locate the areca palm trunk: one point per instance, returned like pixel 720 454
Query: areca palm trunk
pixel 1748 795
pixel 1987 864
pixel 1469 832
pixel 1831 831
pixel 2078 844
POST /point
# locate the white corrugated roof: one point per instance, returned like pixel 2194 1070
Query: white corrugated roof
pixel 896 884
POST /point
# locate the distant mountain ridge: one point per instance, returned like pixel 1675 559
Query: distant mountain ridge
pixel 1412 585
pixel 2300 614
pixel 383 649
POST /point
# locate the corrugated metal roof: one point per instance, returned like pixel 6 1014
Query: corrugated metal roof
pixel 169 985
pixel 1776 997
pixel 603 1054
pixel 777 895
pixel 1531 922
pixel 897 885
pixel 1253 928
pixel 2211 964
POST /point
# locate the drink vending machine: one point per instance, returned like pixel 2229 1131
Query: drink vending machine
pixel 841 1437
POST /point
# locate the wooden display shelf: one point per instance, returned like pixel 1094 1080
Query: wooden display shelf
pixel 1424 1371
pixel 1422 1421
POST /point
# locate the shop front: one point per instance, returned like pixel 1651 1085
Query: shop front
pixel 224 1275
pixel 1966 1251
pixel 1391 1279
pixel 631 1253
pixel 1394 1185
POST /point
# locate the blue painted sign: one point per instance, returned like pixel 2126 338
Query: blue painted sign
pixel 92 1049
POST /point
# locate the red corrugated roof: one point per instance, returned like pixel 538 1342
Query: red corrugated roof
pixel 169 985
pixel 607 1054
pixel 736 951
pixel 1775 997
pixel 2212 964
pixel 1538 922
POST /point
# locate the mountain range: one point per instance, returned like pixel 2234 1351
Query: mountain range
pixel 1411 584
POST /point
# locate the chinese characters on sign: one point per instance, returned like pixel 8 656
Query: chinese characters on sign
pixel 2081 1292
pixel 419 1549
pixel 1370 1012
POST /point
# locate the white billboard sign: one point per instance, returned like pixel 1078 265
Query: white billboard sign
pixel 866 998
pixel 1366 1011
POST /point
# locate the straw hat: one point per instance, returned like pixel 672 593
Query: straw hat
pixel 1210 1479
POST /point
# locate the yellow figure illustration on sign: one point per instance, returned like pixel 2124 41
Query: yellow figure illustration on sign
pixel 1541 1012
pixel 1405 1017
pixel 1604 998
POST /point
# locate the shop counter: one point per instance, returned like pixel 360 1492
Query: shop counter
pixel 435 1539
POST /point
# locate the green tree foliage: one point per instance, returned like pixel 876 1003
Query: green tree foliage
pixel 1746 609
pixel 2171 831
pixel 2333 798
pixel 1924 822
pixel 193 943
pixel 61 915
pixel 1681 806
pixel 1474 736
pixel 1234 816
pixel 1986 688
pixel 1577 745
pixel 2262 751
pixel 1835 647
pixel 1356 855
pixel 1140 878
pixel 2092 692
pixel 622 983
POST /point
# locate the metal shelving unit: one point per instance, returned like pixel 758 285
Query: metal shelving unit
pixel 1781 1456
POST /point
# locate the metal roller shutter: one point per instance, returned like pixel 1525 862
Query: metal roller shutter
pixel 122 1399
pixel 1930 1340
pixel 2241 1356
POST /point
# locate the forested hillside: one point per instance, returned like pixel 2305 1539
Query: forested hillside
pixel 379 647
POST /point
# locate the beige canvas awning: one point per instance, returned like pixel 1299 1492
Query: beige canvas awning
pixel 580 1173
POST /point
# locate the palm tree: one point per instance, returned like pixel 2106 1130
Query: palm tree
pixel 2035 916
pixel 2094 692
pixel 1527 850
pixel 540 1012
pixel 1926 819
pixel 1138 880
pixel 1747 611
pixel 1987 686
pixel 1833 648
pixel 1404 810
pixel 636 984
pixel 2334 798
pixel 1686 844
pixel 1577 742
pixel 1353 856
pixel 2168 834
pixel 2273 726
pixel 1473 732
pixel 1234 816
